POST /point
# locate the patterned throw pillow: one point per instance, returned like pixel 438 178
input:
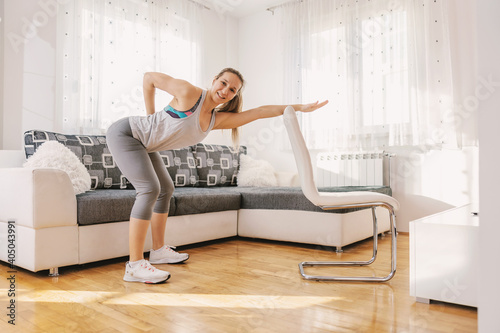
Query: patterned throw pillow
pixel 217 164
pixel 92 151
pixel 181 166
pixel 201 165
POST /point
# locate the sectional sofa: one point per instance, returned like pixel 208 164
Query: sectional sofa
pixel 52 227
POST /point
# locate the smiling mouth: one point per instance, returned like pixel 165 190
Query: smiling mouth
pixel 223 98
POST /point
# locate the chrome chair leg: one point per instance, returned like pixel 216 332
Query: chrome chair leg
pixel 359 263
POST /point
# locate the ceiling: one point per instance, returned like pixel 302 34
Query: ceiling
pixel 241 8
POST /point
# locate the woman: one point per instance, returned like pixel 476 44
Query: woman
pixel 135 142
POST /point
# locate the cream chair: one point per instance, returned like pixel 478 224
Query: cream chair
pixel 332 200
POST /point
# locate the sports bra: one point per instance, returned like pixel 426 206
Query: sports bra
pixel 181 114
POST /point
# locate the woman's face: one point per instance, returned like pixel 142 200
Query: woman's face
pixel 225 87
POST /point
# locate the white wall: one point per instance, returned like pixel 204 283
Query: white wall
pixel 29 69
pixel 220 36
pixel 261 61
pixel 489 136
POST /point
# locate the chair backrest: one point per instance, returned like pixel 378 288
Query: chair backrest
pixel 304 166
pixel 301 154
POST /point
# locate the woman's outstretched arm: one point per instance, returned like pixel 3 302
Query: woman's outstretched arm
pixel 229 120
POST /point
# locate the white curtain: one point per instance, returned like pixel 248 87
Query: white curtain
pixel 106 46
pixel 384 65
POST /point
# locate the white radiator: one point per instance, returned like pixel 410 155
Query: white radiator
pixel 352 168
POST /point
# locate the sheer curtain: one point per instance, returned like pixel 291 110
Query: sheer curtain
pixel 385 67
pixel 106 46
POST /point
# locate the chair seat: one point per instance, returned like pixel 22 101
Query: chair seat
pixel 324 199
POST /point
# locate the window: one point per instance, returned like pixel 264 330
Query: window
pixel 383 65
pixel 109 45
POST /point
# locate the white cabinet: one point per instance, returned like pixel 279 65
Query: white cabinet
pixel 444 253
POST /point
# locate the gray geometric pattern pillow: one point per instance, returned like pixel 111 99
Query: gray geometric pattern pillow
pixel 92 151
pixel 202 165
pixel 181 166
pixel 217 165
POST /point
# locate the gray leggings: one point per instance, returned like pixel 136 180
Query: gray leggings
pixel 146 171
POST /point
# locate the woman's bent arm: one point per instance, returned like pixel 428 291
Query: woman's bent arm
pixel 175 87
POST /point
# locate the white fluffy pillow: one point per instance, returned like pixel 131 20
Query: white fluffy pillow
pixel 53 154
pixel 255 172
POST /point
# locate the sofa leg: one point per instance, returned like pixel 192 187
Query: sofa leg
pixel 338 249
pixel 54 271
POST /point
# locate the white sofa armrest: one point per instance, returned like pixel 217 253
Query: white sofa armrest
pixel 37 198
pixel 287 179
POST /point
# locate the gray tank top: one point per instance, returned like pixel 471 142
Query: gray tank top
pixel 160 131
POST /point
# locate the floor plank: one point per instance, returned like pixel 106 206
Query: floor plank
pixel 233 285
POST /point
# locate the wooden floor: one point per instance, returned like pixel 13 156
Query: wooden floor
pixel 235 285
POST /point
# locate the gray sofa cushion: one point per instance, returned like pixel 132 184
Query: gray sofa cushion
pixel 205 200
pixel 200 165
pixel 292 198
pixel 103 206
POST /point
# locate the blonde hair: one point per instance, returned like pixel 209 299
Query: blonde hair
pixel 235 105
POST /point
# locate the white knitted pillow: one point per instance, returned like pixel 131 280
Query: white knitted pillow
pixel 53 154
pixel 255 172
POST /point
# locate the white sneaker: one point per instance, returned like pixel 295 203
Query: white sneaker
pixel 167 255
pixel 143 272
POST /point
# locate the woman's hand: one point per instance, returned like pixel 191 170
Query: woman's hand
pixel 311 107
